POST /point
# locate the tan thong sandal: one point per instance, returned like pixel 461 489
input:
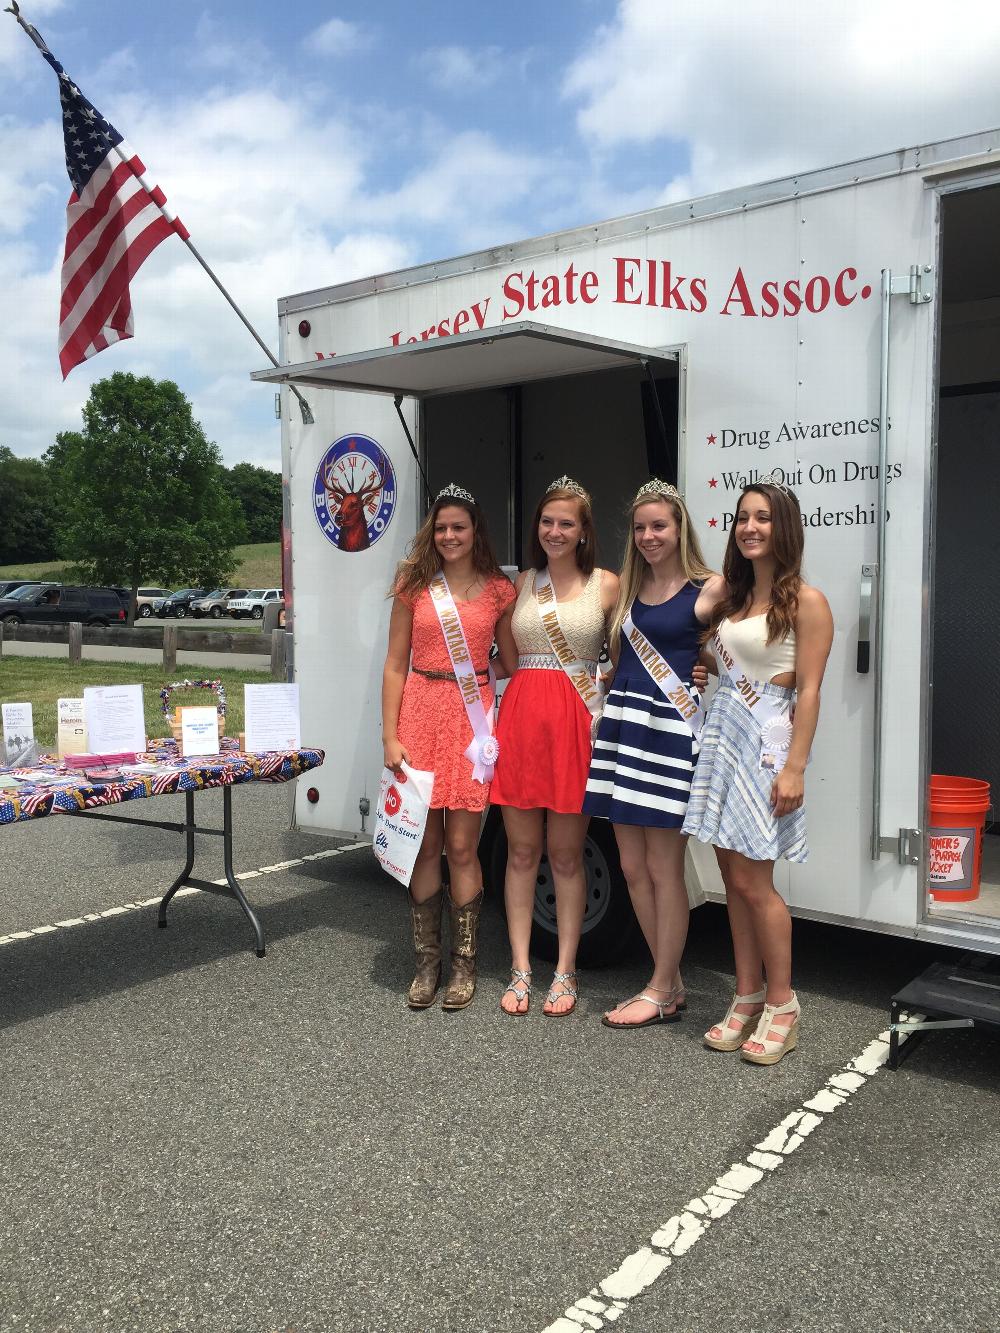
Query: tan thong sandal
pixel 654 1019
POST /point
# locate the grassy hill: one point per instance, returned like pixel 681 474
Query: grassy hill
pixel 256 567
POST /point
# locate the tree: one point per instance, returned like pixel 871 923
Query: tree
pixel 257 490
pixel 27 528
pixel 138 496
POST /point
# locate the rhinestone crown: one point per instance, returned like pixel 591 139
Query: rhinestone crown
pixel 655 488
pixel 772 479
pixel 567 484
pixel 453 492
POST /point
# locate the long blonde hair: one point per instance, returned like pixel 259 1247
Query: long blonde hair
pixel 634 565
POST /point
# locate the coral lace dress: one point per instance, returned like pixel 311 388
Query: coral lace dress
pixel 433 725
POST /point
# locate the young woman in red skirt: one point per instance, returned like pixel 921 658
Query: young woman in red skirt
pixel 544 732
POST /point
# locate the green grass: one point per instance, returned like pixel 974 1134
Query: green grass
pixel 40 681
pixel 256 567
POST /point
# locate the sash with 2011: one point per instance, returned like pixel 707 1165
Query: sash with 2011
pixel 484 749
pixel 773 716
pixel 665 678
pixel 587 687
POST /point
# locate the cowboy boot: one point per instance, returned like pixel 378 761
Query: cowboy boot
pixel 464 929
pixel 426 918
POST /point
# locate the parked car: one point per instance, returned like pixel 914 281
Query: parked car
pixel 6 588
pixel 216 602
pixel 252 605
pixel 179 603
pixel 54 603
pixel 149 600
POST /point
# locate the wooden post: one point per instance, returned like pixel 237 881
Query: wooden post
pixel 170 648
pixel 75 642
pixel 278 654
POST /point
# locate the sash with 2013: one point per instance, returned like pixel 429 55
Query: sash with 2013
pixel 587 686
pixel 483 750
pixel 773 716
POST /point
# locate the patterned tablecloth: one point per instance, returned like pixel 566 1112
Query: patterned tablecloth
pixel 173 773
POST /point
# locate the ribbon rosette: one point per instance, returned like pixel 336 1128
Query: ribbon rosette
pixel 483 755
pixel 776 734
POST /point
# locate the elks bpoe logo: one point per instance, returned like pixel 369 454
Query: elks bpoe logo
pixel 354 492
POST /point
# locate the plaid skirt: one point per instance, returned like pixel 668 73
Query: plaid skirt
pixel 730 802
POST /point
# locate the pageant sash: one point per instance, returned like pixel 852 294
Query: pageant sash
pixel 665 678
pixel 575 668
pixel 483 750
pixel 773 716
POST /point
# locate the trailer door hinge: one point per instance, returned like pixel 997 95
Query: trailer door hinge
pixel 908 846
pixel 918 284
pixel 277 405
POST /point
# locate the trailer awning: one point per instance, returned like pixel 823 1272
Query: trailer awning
pixel 490 358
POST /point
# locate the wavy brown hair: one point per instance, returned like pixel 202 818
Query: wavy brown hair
pixel 586 552
pixel 634 565
pixel 787 543
pixel 421 562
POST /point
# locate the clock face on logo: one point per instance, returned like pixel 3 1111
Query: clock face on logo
pixel 354 492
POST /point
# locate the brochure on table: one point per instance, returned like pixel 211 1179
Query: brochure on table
pixel 115 719
pixel 199 730
pixel 71 735
pixel 271 718
pixel 19 748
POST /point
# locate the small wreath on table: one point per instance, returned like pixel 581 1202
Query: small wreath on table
pixel 217 688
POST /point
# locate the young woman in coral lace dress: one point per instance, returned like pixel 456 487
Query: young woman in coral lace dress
pixel 425 724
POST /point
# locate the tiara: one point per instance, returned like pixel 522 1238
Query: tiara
pixel 453 492
pixel 772 479
pixel 655 487
pixel 567 484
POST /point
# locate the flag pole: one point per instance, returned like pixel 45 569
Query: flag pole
pixel 156 196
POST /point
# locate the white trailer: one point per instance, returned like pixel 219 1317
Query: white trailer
pixel 840 328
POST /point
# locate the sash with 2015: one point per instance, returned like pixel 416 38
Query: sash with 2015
pixel 484 749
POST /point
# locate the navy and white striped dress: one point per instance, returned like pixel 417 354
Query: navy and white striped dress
pixel 644 755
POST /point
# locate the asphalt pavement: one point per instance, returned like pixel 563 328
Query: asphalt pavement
pixel 198 1139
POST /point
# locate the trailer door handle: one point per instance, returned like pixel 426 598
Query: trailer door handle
pixel 869 573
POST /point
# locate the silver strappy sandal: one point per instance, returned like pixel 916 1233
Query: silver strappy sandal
pixel 522 992
pixel 562 979
pixel 660 1006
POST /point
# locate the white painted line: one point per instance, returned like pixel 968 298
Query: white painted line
pixel 613 1296
pixel 88 917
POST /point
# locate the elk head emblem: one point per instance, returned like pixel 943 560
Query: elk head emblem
pixel 351 505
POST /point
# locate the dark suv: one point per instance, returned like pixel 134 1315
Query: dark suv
pixel 54 603
pixel 179 603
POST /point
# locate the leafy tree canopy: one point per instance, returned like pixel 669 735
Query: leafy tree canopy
pixel 138 493
pixel 27 526
pixel 258 493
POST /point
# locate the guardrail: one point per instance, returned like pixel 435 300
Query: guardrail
pixel 168 639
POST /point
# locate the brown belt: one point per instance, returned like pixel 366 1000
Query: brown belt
pixel 446 675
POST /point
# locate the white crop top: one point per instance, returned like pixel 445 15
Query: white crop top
pixel 747 640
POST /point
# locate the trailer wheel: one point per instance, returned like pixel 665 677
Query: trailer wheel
pixel 609 925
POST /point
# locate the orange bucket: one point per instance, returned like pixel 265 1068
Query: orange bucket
pixel 958 808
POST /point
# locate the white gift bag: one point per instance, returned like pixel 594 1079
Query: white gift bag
pixel 403 801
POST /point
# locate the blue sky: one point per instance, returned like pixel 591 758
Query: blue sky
pixel 311 143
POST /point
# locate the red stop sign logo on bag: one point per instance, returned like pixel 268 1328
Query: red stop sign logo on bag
pixel 393 801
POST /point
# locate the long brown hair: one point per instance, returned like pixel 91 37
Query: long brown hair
pixel 586 551
pixel 787 543
pixel 634 565
pixel 422 561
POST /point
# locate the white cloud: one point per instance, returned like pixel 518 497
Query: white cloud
pixel 759 90
pixel 459 69
pixel 338 37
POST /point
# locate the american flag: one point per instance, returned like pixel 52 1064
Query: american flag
pixel 114 219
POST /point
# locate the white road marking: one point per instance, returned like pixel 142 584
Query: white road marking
pixel 613 1296
pixel 89 917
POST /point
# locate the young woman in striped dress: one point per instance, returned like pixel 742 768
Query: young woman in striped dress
pixel 777 631
pixel 645 752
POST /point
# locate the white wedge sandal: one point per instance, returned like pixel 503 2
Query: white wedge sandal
pixel 775 1047
pixel 735 1037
